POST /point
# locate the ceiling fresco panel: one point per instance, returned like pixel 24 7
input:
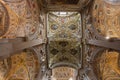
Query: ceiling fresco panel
pixel 22 66
pixel 107 66
pixel 22 19
pixel 106 17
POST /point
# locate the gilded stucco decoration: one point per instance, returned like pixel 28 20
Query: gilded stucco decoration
pixel 106 17
pixel 63 73
pixel 23 66
pixel 22 20
pixel 107 66
pixel 64 35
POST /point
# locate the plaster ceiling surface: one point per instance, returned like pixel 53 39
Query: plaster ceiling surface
pixel 64 34
pixel 64 5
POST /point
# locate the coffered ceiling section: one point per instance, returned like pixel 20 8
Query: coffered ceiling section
pixel 64 4
pixel 64 33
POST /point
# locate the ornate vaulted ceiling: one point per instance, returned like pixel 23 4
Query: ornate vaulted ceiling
pixel 106 17
pixel 23 66
pixel 107 66
pixel 64 35
pixel 106 20
pixel 19 18
pixel 69 35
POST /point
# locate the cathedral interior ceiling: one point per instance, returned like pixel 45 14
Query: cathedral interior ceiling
pixel 19 18
pixel 20 21
pixel 23 66
pixel 107 66
pixel 106 17
pixel 64 44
